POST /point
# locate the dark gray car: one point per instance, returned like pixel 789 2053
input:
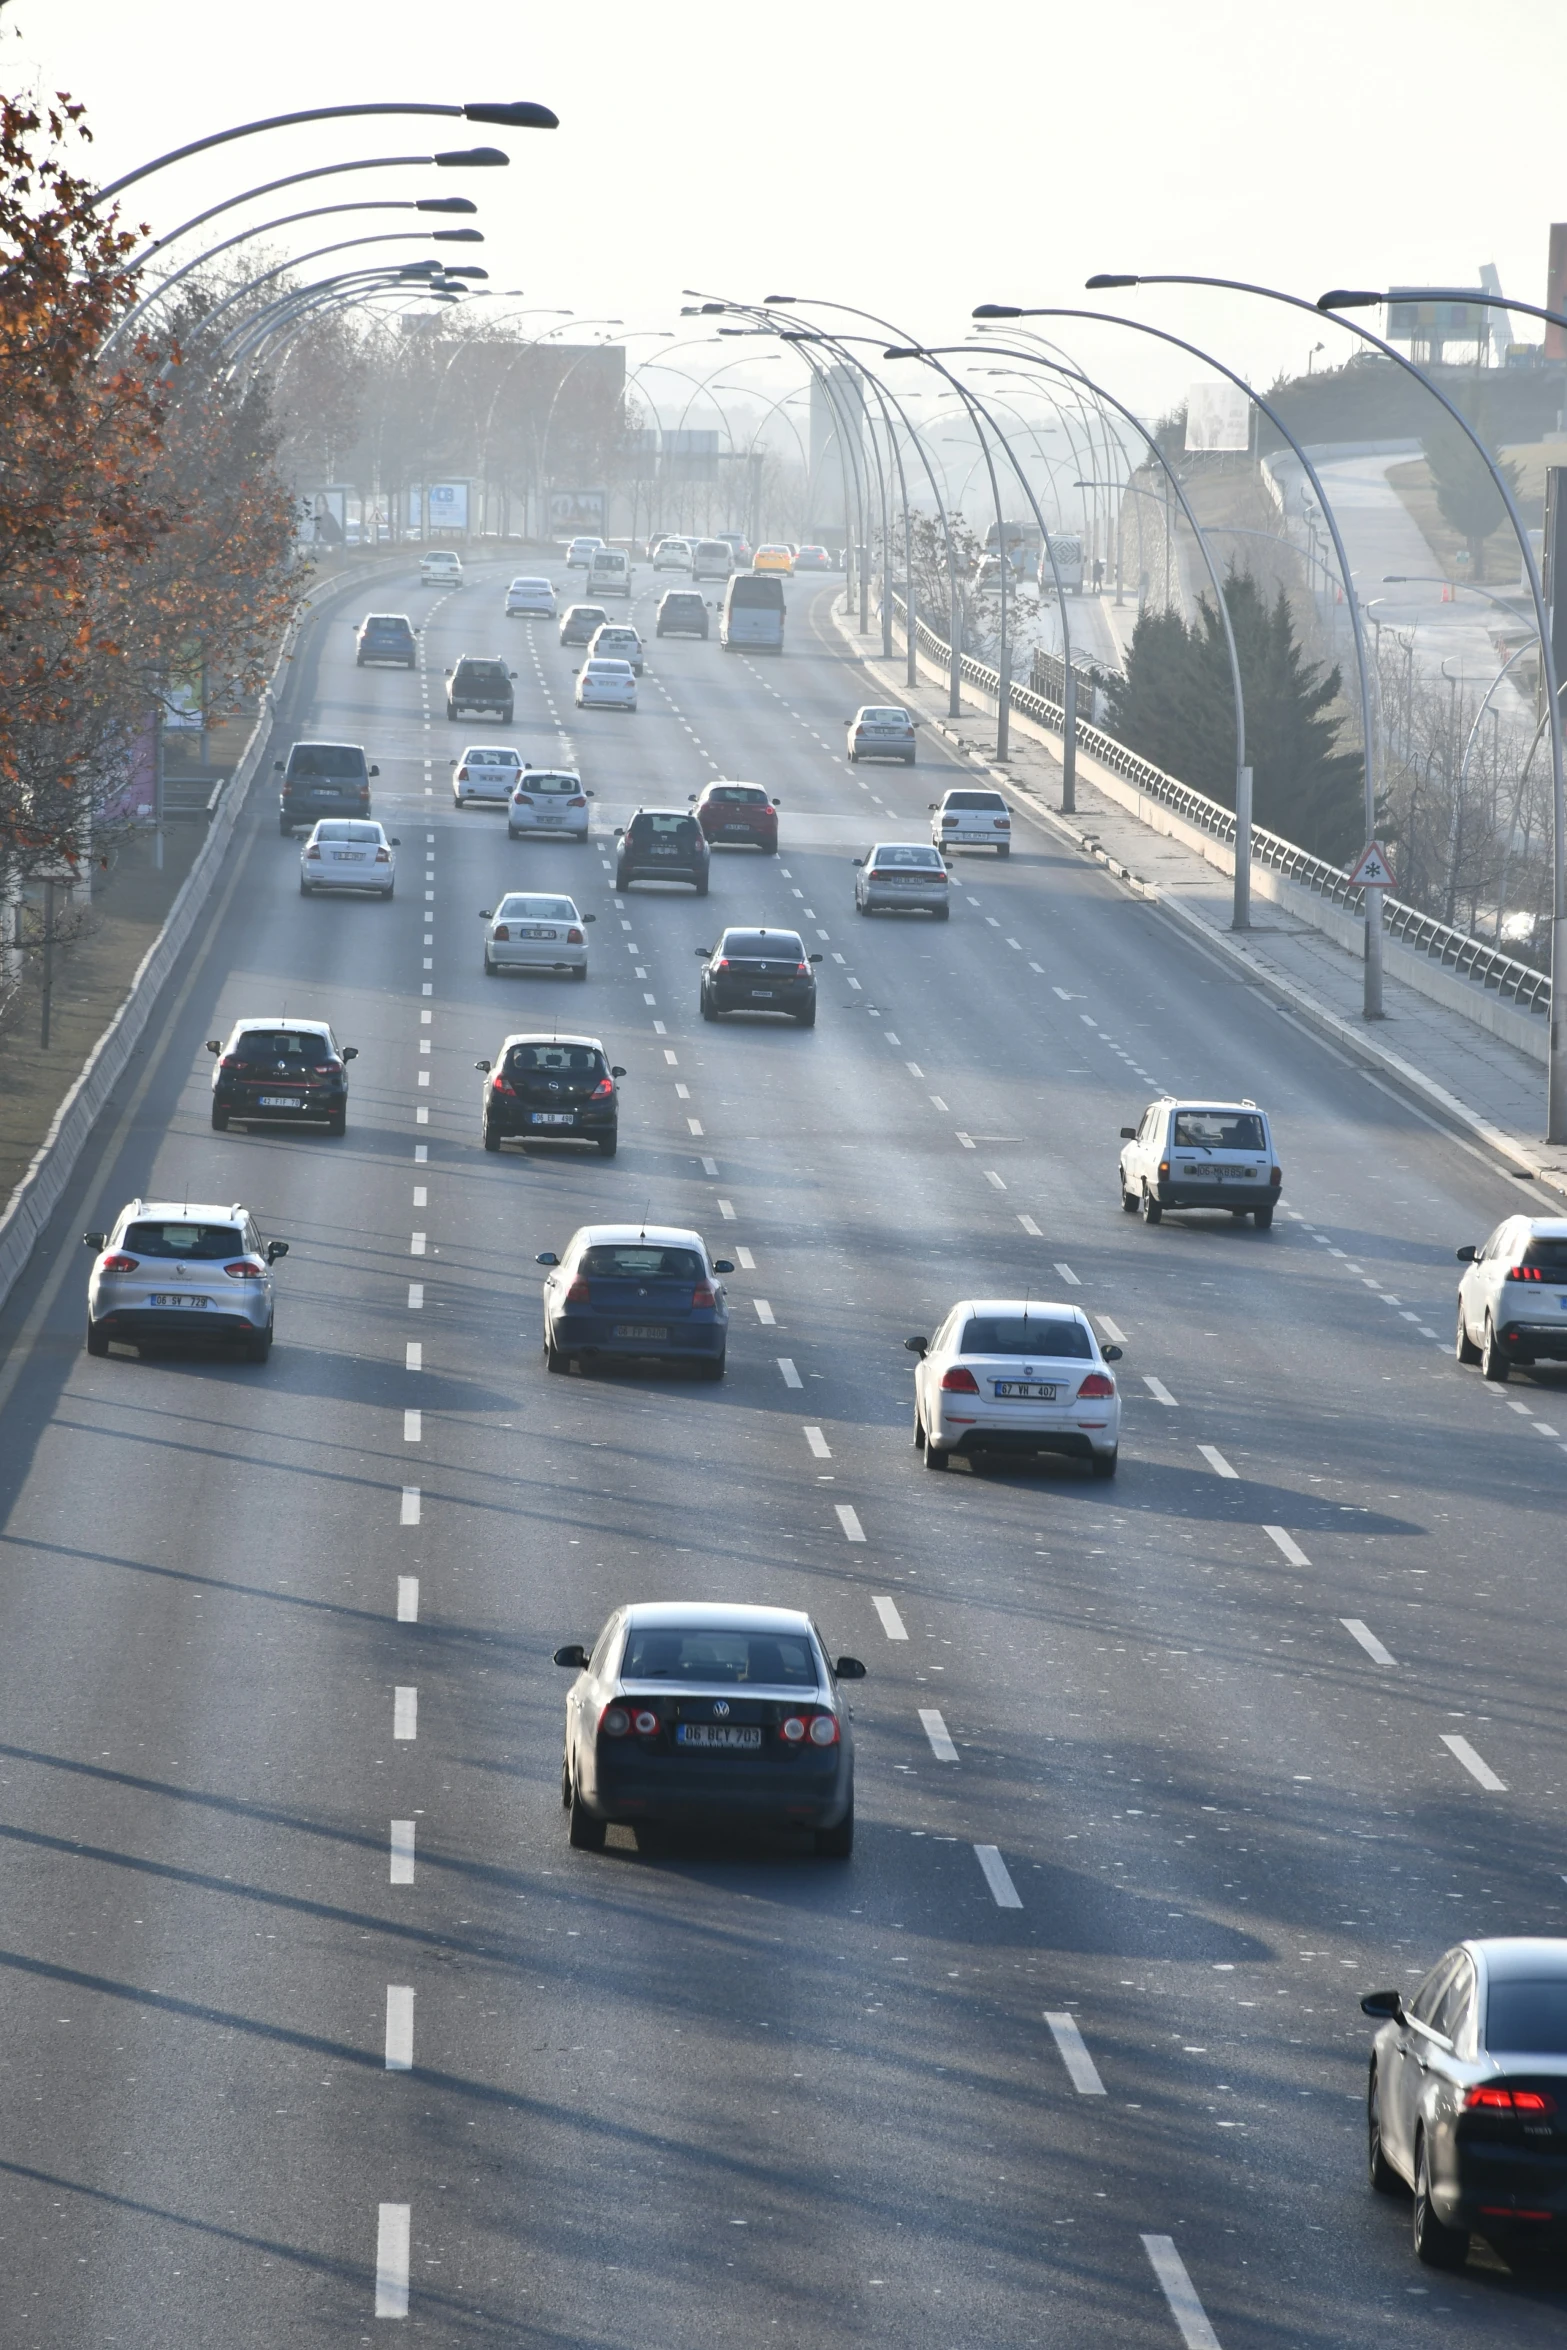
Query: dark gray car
pixel 322 779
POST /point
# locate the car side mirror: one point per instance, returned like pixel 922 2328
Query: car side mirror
pixel 451 762
pixel 1467 1255
pixel 375 770
pixel 722 1265
pixel 513 675
pixel 816 958
pixel 932 805
pixel 777 803
pixel 849 1668
pixel 484 1066
pixel 917 1346
pixel 213 1046
pixel 395 840
pixel 95 1240
pixel 572 1654
pixel 858 862
pixel 589 795
pixel 277 766
pixel 690 799
pixel 1384 2003
pixel 546 1256
pixel 587 917
pixel 485 915
pixel 615 1069
pixel 1112 1354
pixel 276 1249
pixel 1128 1134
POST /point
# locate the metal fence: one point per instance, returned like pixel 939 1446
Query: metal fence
pixel 1472 958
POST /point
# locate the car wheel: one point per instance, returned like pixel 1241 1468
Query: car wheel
pixel 1149 1208
pixel 943 913
pixel 581 972
pixel 1436 2246
pixel 258 1346
pixel 338 1122
pixel 909 761
pixel 620 879
pixel 1005 850
pixel 1103 1464
pixel 1464 1346
pixel 489 967
pixel 1384 2178
pixel 608 1144
pixel 935 1454
pixel 220 1121
pixel 859 908
pixel 554 1360
pixel 836 1843
pixel 853 758
pixel 304 887
pixel 919 1427
pixel 1262 1218
pixel 701 887
pixel 284 827
pixel 1128 1198
pixel 97 1340
pixel 388 892
pixel 806 1019
pixel 1493 1363
pixel 715 1368
pixel 491 1139
pixel 586 1833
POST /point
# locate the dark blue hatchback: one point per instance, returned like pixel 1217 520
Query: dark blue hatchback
pixel 636 1291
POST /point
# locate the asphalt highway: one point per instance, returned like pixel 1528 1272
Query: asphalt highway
pixel 294 2044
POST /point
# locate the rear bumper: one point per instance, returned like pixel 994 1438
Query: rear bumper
pixel 1544 1341
pixel 513 1126
pixel 317 1110
pixel 691 875
pixel 884 750
pixel 593 1334
pixel 693 1788
pixel 1217 1195
pixel 921 901
pixel 131 1323
pixel 743 840
pixel 1070 1443
pixel 1485 2187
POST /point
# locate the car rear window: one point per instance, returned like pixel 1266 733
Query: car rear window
pixel 481 757
pixel 388 624
pixel 344 828
pixel 1527 2019
pixel 535 909
pixel 1218 1130
pixel 482 673
pixel 194 1241
pixel 683 602
pixel 767 946
pixel 887 717
pixel 684 828
pixel 326 762
pixel 642 1261
pixel 261 1047
pixel 736 1659
pixel 566 785
pixel 748 795
pixel 925 859
pixel 1548 1256
pixel 991 801
pixel 565 1060
pixel 1026 1334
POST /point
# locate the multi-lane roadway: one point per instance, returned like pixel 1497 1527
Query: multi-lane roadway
pixel 309 2015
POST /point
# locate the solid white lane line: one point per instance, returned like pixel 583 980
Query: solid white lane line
pixel 993 1178
pixel 1187 2311
pixel 415 1296
pixel 935 1729
pixel 791 1377
pixel 408 1599
pixel 413 1356
pixel 1463 1752
pixel 405 1713
pixel 891 1622
pixel 399 2028
pixel 1158 1390
pixel 393 2230
pixel 413 1427
pixel 764 1312
pixel 849 1520
pixel 1069 1277
pixel 1116 1336
pixel 416 1244
pixel 403 1852
pixel 1367 1639
pixel 1216 1460
pixel 997 1877
pixel 1081 2069
pixel 746 1260
pixel 726 1208
pixel 1288 1545
pixel 818 1444
pixel 1030 1227
pixel 410 1510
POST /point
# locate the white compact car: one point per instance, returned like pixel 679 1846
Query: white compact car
pixel 580 553
pixel 1197 1154
pixel 348 852
pixel 486 772
pixel 617 641
pixel 530 931
pixel 549 799
pixel 673 555
pixel 440 568
pixel 606 685
pixel 1008 1375
pixel 881 733
pixel 530 599
pixel 1512 1296
pixel 969 819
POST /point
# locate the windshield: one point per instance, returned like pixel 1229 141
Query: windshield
pixel 642 1260
pixel 1527 2019
pixel 1218 1130
pixel 680 1653
pixel 264 1047
pixel 346 829
pixel 195 1241
pixel 1019 1334
pixel 327 759
pixel 886 717
pixel 532 909
pixel 480 757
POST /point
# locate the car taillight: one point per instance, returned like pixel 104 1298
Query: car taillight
pixel 578 938
pixel 231 1061
pixel 364 793
pixel 1164 1166
pixel 522 799
pixel 802 966
pixel 326 1068
pixel 792 1731
pixel 606 1085
pixel 824 1730
pixel 959 1381
pixel 383 856
pixel 645 1722
pixel 703 1295
pixel 500 931
pixel 722 963
pixel 500 1085
pixel 1491 2099
pixel 614 1721
pixel 312 852
pixel 948 820
pixel 1097 1383
pixel 242 1269
pixel 1275 1176
pixel 577 1294
pixel 120 1264
pixel 1525 1273
pixel 462 775
pixel 572 803
pixel 1002 823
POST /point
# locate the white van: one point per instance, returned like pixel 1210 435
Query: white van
pixel 712 559
pixel 609 573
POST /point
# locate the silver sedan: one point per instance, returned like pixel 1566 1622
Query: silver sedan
pixel 348 852
pixel 531 932
pixel 900 876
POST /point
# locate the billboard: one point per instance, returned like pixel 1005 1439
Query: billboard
pixel 1218 416
pixel 570 512
pixel 448 505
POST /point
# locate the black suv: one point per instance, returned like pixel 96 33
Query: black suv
pixel 387 636
pixel 322 779
pixel 580 623
pixel 482 686
pixel 550 1089
pixel 759 971
pixel 286 1070
pixel 680 613
pixel 662 844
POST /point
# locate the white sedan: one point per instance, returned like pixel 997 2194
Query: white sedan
pixel 1007 1375
pixel 486 771
pixel 530 599
pixel 549 799
pixel 972 820
pixel 348 852
pixel 606 685
pixel 531 932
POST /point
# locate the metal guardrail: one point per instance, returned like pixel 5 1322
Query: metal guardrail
pixel 1457 950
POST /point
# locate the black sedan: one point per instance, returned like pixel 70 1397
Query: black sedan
pixel 759 971
pixel 551 1089
pixel 701 1713
pixel 1467 2098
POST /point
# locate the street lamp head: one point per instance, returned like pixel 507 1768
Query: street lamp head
pixel 1349 298
pixel 771 298
pixel 1108 280
pixel 458 236
pixel 445 204
pixel 996 310
pixel 470 158
pixel 419 269
pixel 468 270
pixel 521 115
pixel 903 351
pixel 712 310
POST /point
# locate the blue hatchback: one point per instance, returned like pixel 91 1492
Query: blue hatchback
pixel 636 1291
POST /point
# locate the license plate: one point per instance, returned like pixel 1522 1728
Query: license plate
pixel 722 1734
pixel 176 1300
pixel 553 1117
pixel 762 995
pixel 279 1101
pixel 1223 1174
pixel 534 930
pixel 1036 1389
pixel 348 856
pixel 660 852
pixel 641 1330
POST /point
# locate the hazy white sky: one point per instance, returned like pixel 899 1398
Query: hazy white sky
pixel 911 158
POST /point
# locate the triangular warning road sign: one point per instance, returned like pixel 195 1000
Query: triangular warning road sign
pixel 1373 871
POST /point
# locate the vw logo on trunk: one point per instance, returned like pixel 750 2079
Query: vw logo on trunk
pixel 720 1706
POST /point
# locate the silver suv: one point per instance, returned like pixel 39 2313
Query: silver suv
pixel 1512 1297
pixel 1197 1154
pixel 182 1269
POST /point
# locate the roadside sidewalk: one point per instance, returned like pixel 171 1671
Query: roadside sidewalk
pixel 1435 1057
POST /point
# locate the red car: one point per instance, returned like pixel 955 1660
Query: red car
pixel 738 816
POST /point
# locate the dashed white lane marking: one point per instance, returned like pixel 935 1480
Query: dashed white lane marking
pixel 1288 1545
pixel 682 1092
pixel 408 1599
pixel 937 1103
pixel 992 1178
pixel 695 1125
pixel 672 1059
pixel 1474 1764
pixel 1216 1460
pixel 764 1312
pixel 403 1852
pixel 997 1877
pixel 891 1622
pixel 1367 1639
pixel 393 2231
pixel 935 1729
pixel 726 1208
pixel 818 1444
pixel 1030 1227
pixel 649 999
pixel 967 1141
pixel 415 1296
pixel 410 1510
pixel 710 1166
pixel 421 1198
pixel 1187 2311
pixel 416 1244
pixel 1081 2069
pixel 413 1427
pixel 399 2028
pixel 791 1377
pixel 849 1520
pixel 914 1068
pixel 413 1356
pixel 1069 1277
pixel 747 1261
pixel 405 1713
pixel 1158 1390
pixel 1112 1331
